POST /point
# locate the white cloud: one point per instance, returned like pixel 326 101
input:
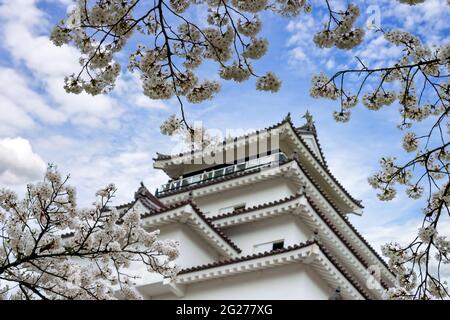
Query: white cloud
pixel 96 160
pixel 300 41
pixel 427 19
pixel 18 163
pixel 22 25
pixel 143 101
pixel 124 168
pixel 67 128
pixel 377 51
pixel 18 93
pixel 13 119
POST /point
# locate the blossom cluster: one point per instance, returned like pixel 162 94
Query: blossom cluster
pixel 56 251
pixel 419 83
pixel 417 58
pixel 344 35
pixel 96 53
pixel 408 280
pixel 323 87
pixel 171 125
pixel 100 29
pixel 268 82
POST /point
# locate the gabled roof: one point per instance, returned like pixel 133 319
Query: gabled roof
pixel 245 258
pixel 321 215
pixel 162 157
pixel 155 212
pixel 298 134
pixel 145 197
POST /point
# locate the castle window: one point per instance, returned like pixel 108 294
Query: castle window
pixel 232 208
pixel 176 184
pixel 268 246
pixel 278 245
pixel 185 182
pixel 196 178
pixel 229 170
pixel 207 175
pixel 218 173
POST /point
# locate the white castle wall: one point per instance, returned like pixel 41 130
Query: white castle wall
pixel 296 281
pixel 193 250
pixel 260 193
pixel 284 227
pixel 293 281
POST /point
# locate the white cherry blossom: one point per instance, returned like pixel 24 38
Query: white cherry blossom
pixel 53 250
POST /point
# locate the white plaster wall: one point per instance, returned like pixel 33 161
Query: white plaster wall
pixel 259 193
pixel 284 227
pixel 295 281
pixel 311 142
pixel 193 249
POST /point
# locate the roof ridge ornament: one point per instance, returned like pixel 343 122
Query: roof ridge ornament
pixel 309 125
pixel 288 117
pixel 144 194
pixel 140 192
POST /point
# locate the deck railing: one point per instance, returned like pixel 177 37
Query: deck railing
pixel 203 177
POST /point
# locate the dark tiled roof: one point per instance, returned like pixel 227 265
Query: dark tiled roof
pixel 257 207
pixel 245 258
pixel 126 205
pixel 279 251
pixel 217 230
pixel 342 238
pixel 325 166
pixel 297 132
pixel 67 235
pixel 160 156
pixel 321 215
pixel 147 197
pixel 345 219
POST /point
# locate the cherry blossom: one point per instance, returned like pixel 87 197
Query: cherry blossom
pixel 417 84
pixel 53 250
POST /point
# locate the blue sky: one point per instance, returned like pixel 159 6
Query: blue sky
pixel 113 138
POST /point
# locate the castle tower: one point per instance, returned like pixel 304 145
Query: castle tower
pixel 260 216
